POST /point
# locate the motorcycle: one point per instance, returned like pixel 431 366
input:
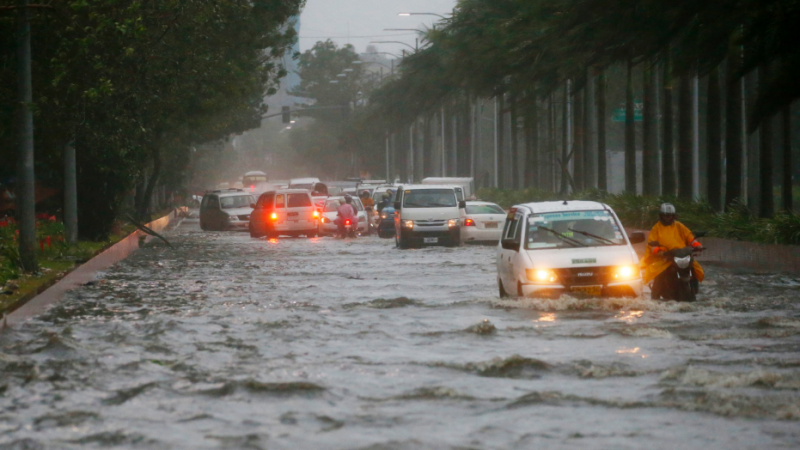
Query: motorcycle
pixel 678 281
pixel 349 229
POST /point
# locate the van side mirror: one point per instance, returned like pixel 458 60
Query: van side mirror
pixel 462 204
pixel 397 206
pixel 637 237
pixel 510 244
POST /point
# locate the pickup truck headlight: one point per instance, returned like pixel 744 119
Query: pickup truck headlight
pixel 407 223
pixel 541 276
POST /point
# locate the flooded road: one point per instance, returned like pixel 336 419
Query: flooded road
pixel 228 342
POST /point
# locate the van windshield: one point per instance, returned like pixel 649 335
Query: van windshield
pixel 573 229
pixel 429 198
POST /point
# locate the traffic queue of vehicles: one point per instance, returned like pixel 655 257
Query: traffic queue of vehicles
pixel 544 249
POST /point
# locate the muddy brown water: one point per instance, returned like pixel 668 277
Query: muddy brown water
pixel 233 343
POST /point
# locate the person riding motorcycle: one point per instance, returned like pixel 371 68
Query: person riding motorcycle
pixel 385 201
pixel 346 211
pixel 369 207
pixel 669 234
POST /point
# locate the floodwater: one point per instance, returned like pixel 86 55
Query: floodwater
pixel 228 342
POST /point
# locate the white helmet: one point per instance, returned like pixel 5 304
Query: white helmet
pixel 667 208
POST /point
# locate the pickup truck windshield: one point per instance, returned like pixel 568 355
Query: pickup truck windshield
pixel 429 198
pixel 573 229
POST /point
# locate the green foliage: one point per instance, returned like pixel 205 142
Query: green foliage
pixel 641 212
pixel 135 84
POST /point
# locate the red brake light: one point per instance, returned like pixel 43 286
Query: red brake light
pixel 252 188
pixel 347 222
pixel 274 216
pixel 316 214
pixel 469 223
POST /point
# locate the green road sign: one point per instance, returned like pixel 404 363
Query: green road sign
pixel 619 113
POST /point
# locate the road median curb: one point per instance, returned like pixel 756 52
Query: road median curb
pixel 37 303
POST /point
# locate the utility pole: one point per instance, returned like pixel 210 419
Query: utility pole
pixel 496 183
pixel 388 174
pixel 26 201
pixel 444 144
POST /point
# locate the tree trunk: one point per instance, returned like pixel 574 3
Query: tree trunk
pixel 143 212
pixel 549 182
pixel 532 144
pixel 733 129
pixel 427 146
pixel 563 166
pixel 668 152
pixel 786 185
pixel 514 157
pixel 630 133
pixel 602 181
pixel 767 203
pixel 650 182
pixel 589 181
pixel 501 141
pixel 685 141
pixel 25 185
pixel 714 141
pixel 70 194
pixel 577 140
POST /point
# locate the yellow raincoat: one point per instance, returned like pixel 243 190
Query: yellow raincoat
pixel 671 237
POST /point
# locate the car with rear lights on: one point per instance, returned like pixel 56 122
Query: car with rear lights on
pixel 226 209
pixel 284 212
pixel 482 223
pixel 572 247
pixel 328 227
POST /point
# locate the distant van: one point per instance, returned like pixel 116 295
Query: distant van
pixel 464 187
pixel 426 215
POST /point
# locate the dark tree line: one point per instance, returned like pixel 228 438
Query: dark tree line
pixel 547 63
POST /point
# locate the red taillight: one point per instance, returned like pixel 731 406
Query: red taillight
pixel 316 214
pixel 469 223
pixel 252 188
pixel 274 216
pixel 347 222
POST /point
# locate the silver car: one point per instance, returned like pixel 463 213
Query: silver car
pixel 227 209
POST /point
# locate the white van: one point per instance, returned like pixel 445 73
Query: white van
pixel 551 248
pixel 464 187
pixel 426 215
pixel 303 183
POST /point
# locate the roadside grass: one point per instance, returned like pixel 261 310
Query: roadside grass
pixel 637 211
pixel 56 258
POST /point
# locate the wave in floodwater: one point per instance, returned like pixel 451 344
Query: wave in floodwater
pixel 229 342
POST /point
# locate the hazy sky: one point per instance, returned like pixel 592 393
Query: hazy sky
pixel 365 20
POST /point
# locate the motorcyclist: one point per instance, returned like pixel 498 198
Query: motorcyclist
pixel 385 201
pixel 670 235
pixel 344 212
pixel 366 200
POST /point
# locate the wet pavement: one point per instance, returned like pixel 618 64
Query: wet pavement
pixel 229 342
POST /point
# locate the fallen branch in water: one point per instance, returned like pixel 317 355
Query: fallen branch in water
pixel 148 230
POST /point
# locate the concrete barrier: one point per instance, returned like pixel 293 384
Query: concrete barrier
pixel 87 271
pixel 771 258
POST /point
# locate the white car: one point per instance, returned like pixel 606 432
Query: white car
pixel 303 183
pixel 327 227
pixel 482 223
pixel 579 247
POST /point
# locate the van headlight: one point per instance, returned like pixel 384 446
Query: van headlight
pixel 621 273
pixel 408 223
pixel 542 276
pixel 452 223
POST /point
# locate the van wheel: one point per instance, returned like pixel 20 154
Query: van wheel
pixel 312 234
pixel 203 226
pixel 520 294
pixel 503 293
